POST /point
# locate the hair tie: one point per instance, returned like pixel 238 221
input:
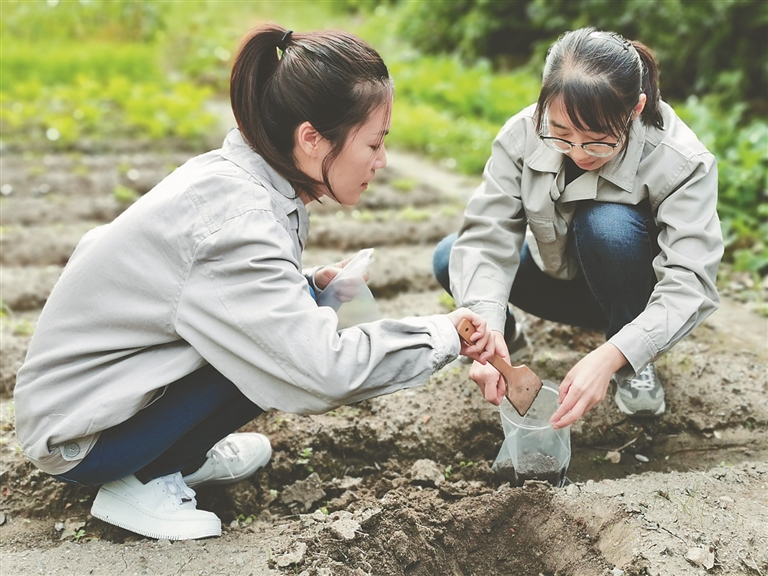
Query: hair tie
pixel 283 44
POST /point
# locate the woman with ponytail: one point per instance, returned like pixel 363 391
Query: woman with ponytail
pixel 190 314
pixel 597 209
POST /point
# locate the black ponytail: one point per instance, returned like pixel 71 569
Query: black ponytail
pixel 651 115
pixel 332 80
pixel 600 76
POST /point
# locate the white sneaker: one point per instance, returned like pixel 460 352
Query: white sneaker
pixel 232 459
pixel 162 508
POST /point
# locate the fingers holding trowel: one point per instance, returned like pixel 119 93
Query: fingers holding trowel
pixel 522 383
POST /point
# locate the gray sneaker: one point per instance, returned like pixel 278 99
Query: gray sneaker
pixel 517 345
pixel 641 395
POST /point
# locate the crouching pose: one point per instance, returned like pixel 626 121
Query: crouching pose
pixel 190 314
pixel 597 209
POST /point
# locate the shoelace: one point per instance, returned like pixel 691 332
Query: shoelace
pixel 178 488
pixel 646 380
pixel 223 453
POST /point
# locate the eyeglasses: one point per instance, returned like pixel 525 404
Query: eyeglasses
pixel 596 149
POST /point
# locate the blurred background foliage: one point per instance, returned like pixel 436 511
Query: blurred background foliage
pixel 90 74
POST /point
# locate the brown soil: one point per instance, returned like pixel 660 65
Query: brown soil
pixel 403 484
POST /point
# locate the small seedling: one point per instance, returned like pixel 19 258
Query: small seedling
pixel 447 301
pixel 124 195
pixel 244 520
pixel 304 457
pixel 23 328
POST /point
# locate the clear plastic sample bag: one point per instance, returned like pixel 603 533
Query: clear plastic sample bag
pixel 349 295
pixel 532 449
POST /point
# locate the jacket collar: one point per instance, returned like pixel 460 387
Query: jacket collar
pixel 237 151
pixel 620 171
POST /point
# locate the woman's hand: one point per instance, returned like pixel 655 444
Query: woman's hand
pixel 491 382
pixel 586 384
pixel 481 347
pixel 345 292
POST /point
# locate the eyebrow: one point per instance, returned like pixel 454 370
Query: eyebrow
pixel 558 125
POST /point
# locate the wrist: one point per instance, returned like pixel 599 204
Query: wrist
pixel 612 357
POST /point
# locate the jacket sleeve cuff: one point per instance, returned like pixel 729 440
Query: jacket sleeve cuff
pixel 447 345
pixel 637 348
pixel 494 315
pixel 309 274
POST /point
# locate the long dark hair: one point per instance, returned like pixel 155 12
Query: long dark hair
pixel 600 76
pixel 330 79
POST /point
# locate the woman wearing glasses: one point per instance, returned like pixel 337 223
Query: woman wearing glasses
pixel 597 209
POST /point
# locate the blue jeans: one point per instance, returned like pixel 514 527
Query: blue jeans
pixel 172 434
pixel 615 245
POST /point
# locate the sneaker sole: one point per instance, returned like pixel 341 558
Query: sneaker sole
pixel 101 510
pixel 643 413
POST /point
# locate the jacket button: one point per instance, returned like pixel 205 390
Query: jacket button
pixel 71 450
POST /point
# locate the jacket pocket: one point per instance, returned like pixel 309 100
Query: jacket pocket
pixel 543 230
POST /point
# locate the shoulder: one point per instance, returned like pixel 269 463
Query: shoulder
pixel 222 190
pixel 520 124
pixel 519 132
pixel 676 139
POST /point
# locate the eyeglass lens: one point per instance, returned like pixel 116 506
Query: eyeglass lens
pixel 596 149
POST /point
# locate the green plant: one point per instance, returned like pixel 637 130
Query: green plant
pixel 741 150
pixel 23 328
pixel 448 472
pixel 54 20
pixel 124 195
pixel 703 46
pixel 87 109
pixel 78 535
pixel 244 520
pixel 447 301
pixel 411 214
pixel 404 184
pixel 304 458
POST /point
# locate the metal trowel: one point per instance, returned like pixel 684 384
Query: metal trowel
pixel 522 383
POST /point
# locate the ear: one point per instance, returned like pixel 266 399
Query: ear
pixel 307 139
pixel 638 109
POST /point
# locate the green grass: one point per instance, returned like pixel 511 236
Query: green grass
pixel 99 71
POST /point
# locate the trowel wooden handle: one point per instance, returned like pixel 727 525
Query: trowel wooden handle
pixel 522 383
pixel 465 329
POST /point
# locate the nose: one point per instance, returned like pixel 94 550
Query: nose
pixel 578 154
pixel 381 158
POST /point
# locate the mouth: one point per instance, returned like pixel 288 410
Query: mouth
pixel 585 165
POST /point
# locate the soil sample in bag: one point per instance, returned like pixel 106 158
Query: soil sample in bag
pixel 505 470
pixel 539 467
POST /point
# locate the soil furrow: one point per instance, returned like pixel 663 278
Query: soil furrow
pixel 410 472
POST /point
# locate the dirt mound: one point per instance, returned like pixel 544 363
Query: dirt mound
pixel 403 484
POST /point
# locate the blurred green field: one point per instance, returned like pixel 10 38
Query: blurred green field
pixel 100 72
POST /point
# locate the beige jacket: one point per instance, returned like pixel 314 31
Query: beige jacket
pixel 523 189
pixel 205 268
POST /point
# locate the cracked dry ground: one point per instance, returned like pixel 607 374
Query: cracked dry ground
pixel 402 484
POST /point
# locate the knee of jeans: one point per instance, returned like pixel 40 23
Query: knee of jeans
pixel 610 225
pixel 442 258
